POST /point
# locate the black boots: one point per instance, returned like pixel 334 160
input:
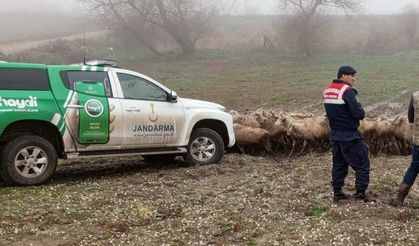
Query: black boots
pixel 401 195
pixel 338 194
pixel 360 195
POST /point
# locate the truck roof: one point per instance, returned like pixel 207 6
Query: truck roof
pixel 22 65
pixel 94 65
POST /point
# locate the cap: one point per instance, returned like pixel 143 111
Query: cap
pixel 346 70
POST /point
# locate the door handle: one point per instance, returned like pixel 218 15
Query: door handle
pixel 133 110
pixel 74 106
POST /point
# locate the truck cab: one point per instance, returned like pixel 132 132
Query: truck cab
pixel 97 109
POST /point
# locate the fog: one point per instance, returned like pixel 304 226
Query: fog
pixel 26 21
pixel 374 7
pixel 386 6
pixel 370 7
pixel 44 6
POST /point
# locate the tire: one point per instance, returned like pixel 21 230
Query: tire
pixel 19 164
pixel 165 159
pixel 205 147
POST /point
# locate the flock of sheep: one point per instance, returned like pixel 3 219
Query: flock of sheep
pixel 295 132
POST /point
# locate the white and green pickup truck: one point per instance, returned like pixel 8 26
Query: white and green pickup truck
pixel 49 112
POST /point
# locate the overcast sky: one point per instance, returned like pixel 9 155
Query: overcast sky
pixel 246 6
pixel 369 6
pixel 386 6
pixel 68 6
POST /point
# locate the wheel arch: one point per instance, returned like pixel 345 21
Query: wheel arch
pixel 215 125
pixel 39 128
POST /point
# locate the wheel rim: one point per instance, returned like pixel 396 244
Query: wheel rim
pixel 202 149
pixel 31 161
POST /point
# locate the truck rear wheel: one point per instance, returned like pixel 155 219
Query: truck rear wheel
pixel 205 146
pixel 28 160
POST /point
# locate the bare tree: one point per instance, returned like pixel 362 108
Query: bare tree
pixel 311 7
pixel 119 16
pixel 185 21
pixel 409 21
pixel 302 35
pixel 305 22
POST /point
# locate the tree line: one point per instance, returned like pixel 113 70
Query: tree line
pixel 301 26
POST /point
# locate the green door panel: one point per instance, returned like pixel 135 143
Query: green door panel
pixel 93 112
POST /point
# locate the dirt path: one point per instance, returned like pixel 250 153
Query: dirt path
pixel 13 47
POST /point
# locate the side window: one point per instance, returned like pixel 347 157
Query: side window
pixel 70 77
pixel 135 87
pixel 23 79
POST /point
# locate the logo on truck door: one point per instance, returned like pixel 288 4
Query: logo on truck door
pixel 156 127
pixel 153 116
pixel 94 108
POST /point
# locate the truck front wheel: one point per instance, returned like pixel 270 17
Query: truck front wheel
pixel 28 160
pixel 205 146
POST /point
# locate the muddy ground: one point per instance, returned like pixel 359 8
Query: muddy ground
pixel 244 200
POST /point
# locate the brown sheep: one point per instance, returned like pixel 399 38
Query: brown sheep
pixel 269 123
pixel 279 137
pixel 309 129
pixel 286 129
pixel 384 134
pixel 403 133
pixel 279 130
pixel 267 114
pixel 247 135
pixel 306 128
pixel 367 127
pixel 301 115
pixel 248 120
pixel 235 114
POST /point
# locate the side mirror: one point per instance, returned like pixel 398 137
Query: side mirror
pixel 173 97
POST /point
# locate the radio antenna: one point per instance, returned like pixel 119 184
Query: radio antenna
pixel 84 46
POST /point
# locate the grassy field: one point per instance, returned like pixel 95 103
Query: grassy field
pixel 247 81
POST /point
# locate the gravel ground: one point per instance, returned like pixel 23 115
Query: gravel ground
pixel 244 200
